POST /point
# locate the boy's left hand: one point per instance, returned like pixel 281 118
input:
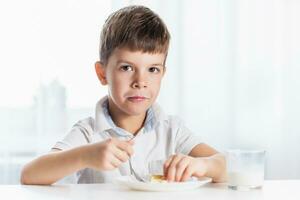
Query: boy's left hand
pixel 181 167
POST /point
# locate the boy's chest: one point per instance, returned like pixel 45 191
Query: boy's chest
pixel 149 148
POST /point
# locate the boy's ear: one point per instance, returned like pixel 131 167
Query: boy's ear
pixel 100 71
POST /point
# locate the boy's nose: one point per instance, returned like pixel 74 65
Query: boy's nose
pixel 139 84
pixel 140 80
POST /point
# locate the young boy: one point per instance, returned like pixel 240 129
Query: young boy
pixel 129 125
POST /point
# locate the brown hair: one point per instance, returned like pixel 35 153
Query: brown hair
pixel 134 27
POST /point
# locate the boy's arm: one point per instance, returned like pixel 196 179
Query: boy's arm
pixel 215 162
pixel 49 168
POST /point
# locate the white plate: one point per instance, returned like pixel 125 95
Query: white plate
pixel 132 183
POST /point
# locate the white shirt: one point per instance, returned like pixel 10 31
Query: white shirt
pixel 160 137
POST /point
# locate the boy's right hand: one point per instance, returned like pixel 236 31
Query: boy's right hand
pixel 107 155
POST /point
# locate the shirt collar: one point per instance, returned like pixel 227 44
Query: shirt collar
pixel 104 122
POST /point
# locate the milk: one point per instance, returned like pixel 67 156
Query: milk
pixel 245 168
pixel 239 178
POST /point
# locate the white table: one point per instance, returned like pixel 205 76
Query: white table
pixel 275 189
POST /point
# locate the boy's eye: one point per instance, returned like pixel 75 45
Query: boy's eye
pixel 154 69
pixel 126 68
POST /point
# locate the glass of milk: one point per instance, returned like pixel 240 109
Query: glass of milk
pixel 245 169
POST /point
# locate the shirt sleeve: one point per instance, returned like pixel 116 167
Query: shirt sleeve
pixel 80 134
pixel 185 139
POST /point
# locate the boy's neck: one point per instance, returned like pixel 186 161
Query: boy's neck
pixel 132 124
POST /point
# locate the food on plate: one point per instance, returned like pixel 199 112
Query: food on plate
pixel 158 179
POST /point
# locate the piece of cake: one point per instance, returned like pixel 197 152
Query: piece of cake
pixel 157 179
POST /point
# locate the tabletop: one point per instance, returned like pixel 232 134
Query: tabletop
pixel 272 189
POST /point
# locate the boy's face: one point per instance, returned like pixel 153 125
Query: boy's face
pixel 133 79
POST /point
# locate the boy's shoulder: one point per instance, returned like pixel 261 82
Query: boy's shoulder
pixel 86 125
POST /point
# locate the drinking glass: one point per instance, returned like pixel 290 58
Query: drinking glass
pixel 245 169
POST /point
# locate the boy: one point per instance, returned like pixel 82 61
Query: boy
pixel 129 128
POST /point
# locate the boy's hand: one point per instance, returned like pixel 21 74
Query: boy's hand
pixel 181 167
pixel 108 155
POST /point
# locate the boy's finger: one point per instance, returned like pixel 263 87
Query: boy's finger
pixel 125 146
pixel 187 174
pixel 114 161
pixel 180 167
pixel 166 165
pixel 131 141
pixel 120 154
pixel 169 161
pixel 172 168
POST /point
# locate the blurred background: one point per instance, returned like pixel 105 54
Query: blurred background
pixel 232 74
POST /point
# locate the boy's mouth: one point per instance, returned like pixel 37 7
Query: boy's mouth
pixel 137 98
